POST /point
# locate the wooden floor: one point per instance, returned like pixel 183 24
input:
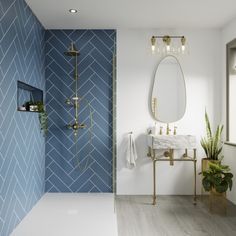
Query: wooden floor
pixel 173 216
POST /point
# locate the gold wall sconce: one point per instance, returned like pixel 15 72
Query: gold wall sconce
pixel 169 44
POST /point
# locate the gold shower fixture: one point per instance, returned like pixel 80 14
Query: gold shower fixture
pixel 168 44
pixel 82 110
pixel 74 100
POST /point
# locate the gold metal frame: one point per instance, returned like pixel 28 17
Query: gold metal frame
pixel 153 100
pixel 154 106
pixel 171 159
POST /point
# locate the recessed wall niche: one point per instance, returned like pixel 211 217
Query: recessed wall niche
pixel 28 97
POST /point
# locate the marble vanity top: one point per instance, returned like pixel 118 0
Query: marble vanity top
pixel 171 141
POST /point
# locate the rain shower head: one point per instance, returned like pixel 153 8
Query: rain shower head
pixel 72 51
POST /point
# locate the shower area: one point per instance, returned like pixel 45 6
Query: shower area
pixel 80 142
pixel 45 182
pixel 80 80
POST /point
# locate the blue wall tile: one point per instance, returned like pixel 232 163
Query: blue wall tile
pixel 22 158
pixel 95 84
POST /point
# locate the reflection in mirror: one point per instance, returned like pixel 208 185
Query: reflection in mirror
pixel 168 100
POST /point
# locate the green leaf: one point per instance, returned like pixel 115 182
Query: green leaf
pixel 230 182
pixel 206 184
pixel 218 177
pixel 43 120
pixel 222 187
pixel 208 126
pixel 229 175
pixel 212 142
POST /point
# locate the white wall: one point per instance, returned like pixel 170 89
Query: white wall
pixel 228 34
pixel 135 71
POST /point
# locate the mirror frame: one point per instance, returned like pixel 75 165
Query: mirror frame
pixel 154 80
pixel 230 45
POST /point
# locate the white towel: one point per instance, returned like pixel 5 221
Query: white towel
pixel 131 154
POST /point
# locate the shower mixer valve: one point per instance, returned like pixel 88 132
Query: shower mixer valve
pixel 76 126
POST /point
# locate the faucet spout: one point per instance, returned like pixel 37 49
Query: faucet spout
pixel 168 129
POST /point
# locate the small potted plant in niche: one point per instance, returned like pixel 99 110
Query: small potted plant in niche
pixel 43 118
pixel 212 145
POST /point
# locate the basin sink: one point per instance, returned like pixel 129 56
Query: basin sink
pixel 171 141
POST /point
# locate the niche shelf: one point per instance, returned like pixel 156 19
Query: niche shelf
pixel 26 94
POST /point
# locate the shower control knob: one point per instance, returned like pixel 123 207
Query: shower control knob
pixel 82 126
pixel 75 126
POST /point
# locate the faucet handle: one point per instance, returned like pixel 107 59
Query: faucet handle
pixel 160 132
pixel 175 130
pixel 168 129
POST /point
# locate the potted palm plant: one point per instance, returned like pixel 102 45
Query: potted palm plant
pixel 211 144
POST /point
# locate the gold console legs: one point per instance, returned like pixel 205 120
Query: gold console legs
pixel 194 160
pixel 195 176
pixel 154 183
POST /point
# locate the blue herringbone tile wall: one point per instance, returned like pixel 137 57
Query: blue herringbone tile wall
pixel 22 159
pixel 95 84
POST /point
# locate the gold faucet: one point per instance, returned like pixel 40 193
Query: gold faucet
pixel 160 132
pixel 168 129
pixel 175 130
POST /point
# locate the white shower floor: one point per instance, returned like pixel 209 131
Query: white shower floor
pixel 70 214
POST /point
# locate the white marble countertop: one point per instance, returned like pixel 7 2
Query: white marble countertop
pixel 171 141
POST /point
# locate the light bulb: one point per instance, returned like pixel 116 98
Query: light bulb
pixel 167 41
pixel 153 49
pixel 168 48
pixel 183 45
pixel 153 42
